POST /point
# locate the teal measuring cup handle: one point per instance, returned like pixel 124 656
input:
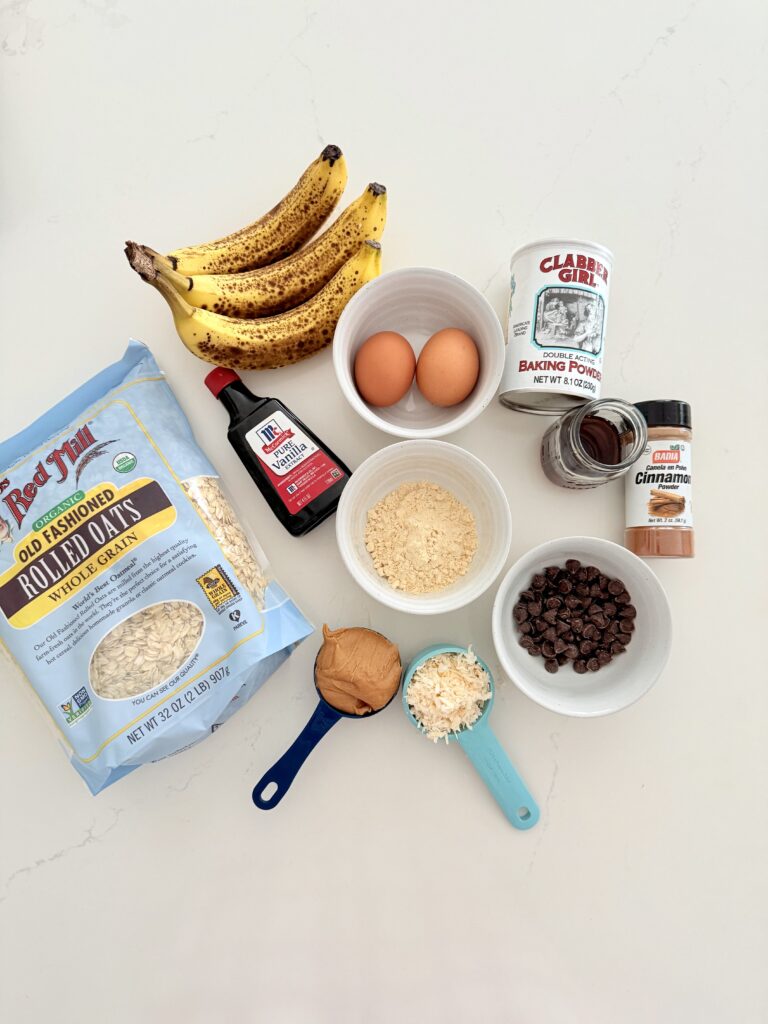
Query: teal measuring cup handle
pixel 497 772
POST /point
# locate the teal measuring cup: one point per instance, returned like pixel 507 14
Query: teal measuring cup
pixel 483 749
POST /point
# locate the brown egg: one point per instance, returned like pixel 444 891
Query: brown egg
pixel 448 367
pixel 384 368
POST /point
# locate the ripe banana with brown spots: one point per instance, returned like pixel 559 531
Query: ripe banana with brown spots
pixel 272 341
pixel 283 285
pixel 278 233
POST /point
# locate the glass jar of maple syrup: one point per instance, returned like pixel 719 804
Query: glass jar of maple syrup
pixel 593 443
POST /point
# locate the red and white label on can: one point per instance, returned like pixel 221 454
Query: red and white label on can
pixel 297 469
pixel 558 313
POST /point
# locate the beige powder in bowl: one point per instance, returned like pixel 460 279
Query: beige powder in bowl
pixel 421 537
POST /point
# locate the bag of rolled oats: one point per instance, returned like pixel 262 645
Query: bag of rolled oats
pixel 140 610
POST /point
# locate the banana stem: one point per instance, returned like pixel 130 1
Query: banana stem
pixel 181 282
pixel 164 262
pixel 148 264
pixel 140 258
pixel 179 307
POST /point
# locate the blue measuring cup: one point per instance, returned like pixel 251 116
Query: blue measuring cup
pixel 483 749
pixel 284 771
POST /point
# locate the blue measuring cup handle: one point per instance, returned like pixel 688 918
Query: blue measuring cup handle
pixel 497 772
pixel 284 771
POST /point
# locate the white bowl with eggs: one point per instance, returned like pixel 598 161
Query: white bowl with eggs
pixel 417 302
pixel 452 468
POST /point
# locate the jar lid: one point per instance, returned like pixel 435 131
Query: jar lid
pixel 218 379
pixel 666 412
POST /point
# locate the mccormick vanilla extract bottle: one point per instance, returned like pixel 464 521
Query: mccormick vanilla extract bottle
pixel 299 476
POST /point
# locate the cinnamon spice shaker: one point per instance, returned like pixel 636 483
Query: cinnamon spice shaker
pixel 659 507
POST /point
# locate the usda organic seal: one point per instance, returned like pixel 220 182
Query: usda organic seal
pixel 124 462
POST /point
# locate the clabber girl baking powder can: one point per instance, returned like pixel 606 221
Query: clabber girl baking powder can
pixel 558 312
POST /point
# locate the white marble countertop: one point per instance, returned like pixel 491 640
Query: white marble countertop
pixel 387 886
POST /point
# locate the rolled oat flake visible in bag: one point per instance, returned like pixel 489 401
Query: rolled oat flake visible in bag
pixel 140 610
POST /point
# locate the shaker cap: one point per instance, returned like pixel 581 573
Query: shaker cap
pixel 666 412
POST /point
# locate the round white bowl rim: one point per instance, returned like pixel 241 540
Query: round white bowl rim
pixel 416 433
pixel 500 644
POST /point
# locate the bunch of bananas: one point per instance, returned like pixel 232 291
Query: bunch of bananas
pixel 255 299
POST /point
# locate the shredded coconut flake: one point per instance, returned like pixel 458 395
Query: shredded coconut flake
pixel 448 692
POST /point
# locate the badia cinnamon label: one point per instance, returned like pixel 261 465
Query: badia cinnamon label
pixel 659 503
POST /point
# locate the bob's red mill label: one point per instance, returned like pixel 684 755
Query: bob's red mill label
pixel 558 312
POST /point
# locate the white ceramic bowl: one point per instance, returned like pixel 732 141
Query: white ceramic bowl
pixel 416 302
pixel 617 685
pixel 467 478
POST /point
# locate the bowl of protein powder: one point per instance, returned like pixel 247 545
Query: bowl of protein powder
pixel 424 526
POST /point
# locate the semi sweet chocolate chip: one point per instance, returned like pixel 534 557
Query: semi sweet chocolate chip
pixel 575 614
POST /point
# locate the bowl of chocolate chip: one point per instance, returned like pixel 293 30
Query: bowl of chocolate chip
pixel 582 626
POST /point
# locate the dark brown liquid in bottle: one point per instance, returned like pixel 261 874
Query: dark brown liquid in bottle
pixel 601 440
